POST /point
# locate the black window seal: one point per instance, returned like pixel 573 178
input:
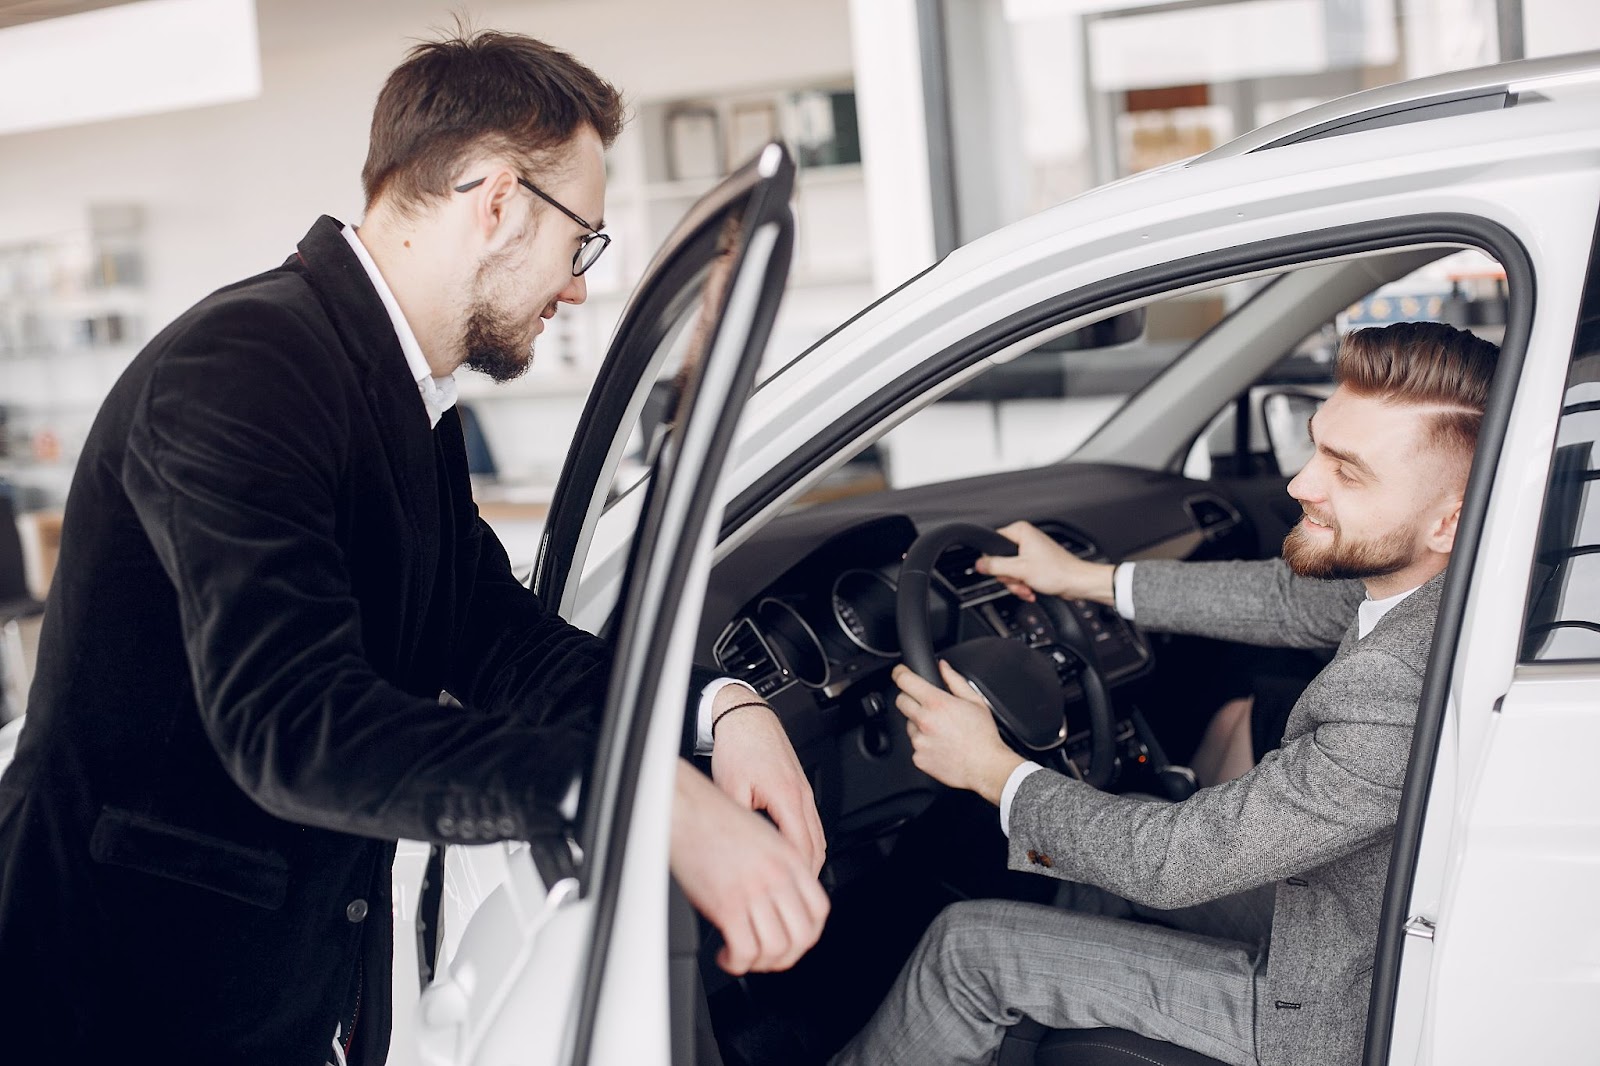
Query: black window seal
pixel 1520 284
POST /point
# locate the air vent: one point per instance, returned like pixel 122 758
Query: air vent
pixel 1213 515
pixel 956 565
pixel 1070 539
pixel 742 654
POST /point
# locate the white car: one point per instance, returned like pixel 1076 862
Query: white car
pixel 1196 304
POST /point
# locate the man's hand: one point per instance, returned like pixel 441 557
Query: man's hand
pixel 953 736
pixel 1042 565
pixel 754 763
pixel 748 881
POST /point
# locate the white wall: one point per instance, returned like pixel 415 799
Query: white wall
pixel 228 190
pixel 1551 27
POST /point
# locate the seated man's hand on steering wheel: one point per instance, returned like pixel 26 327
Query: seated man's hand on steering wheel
pixel 1043 566
pixel 953 736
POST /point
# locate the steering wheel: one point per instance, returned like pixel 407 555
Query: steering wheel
pixel 1020 682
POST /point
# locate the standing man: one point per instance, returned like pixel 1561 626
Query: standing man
pixel 272 567
pixel 1361 571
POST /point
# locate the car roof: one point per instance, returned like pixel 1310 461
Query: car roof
pixel 1502 85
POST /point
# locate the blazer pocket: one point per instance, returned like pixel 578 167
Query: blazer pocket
pixel 135 842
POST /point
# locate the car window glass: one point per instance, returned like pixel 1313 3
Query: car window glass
pixel 1040 406
pixel 623 508
pixel 1465 289
pixel 655 419
pixel 1563 617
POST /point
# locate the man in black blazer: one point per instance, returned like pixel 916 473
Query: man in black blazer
pixel 271 568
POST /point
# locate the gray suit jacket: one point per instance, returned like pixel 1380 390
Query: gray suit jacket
pixel 1317 815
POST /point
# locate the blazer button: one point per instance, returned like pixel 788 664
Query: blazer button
pixel 447 826
pixel 1044 860
pixel 507 826
pixel 1033 856
pixel 357 910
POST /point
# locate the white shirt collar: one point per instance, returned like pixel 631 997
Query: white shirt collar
pixel 1372 611
pixel 438 394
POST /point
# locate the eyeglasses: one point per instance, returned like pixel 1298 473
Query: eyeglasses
pixel 589 249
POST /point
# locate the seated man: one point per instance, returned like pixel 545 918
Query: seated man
pixel 1314 818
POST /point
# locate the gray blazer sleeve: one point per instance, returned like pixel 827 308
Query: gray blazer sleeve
pixel 1261 602
pixel 1327 792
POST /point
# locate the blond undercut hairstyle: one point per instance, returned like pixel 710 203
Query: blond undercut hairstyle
pixel 1430 365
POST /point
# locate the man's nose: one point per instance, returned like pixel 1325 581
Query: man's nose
pixel 1304 486
pixel 576 291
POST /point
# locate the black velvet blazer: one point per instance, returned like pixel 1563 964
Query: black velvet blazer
pixel 270 568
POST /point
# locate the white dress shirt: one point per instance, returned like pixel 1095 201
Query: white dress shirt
pixel 1367 616
pixel 439 395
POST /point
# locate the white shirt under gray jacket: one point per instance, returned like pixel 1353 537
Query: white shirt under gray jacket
pixel 1316 815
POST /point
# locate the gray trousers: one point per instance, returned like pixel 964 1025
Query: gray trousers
pixel 1094 961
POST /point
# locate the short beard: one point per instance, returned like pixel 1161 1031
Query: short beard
pixel 1338 561
pixel 492 346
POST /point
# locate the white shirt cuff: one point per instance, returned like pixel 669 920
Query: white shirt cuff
pixel 1009 793
pixel 702 723
pixel 1122 585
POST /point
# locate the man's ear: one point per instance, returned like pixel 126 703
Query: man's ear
pixel 493 209
pixel 1442 535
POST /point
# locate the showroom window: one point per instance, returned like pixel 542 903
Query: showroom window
pixel 1045 99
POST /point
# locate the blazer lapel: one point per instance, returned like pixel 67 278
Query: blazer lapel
pixel 391 393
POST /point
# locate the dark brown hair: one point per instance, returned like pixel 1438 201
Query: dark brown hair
pixel 479 91
pixel 1423 364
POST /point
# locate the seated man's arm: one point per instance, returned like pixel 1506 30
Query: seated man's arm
pixel 1258 602
pixel 1322 795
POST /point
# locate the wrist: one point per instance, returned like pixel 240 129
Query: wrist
pixel 1106 587
pixel 997 770
pixel 725 714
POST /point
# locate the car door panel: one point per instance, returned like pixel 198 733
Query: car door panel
pixel 538 974
pixel 1509 842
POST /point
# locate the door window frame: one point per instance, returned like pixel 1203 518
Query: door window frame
pixel 1274 256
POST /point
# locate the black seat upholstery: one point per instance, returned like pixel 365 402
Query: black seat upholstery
pixel 1030 1044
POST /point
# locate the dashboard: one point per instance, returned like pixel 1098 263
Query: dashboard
pixel 830 620
pixel 805 613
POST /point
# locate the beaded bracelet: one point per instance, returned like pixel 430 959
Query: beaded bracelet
pixel 730 710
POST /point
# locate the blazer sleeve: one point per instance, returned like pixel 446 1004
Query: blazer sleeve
pixel 1321 796
pixel 1258 602
pixel 233 466
pixel 515 656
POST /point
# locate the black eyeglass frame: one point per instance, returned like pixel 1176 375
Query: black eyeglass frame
pixel 579 263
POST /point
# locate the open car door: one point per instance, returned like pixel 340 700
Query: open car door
pixel 565 959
